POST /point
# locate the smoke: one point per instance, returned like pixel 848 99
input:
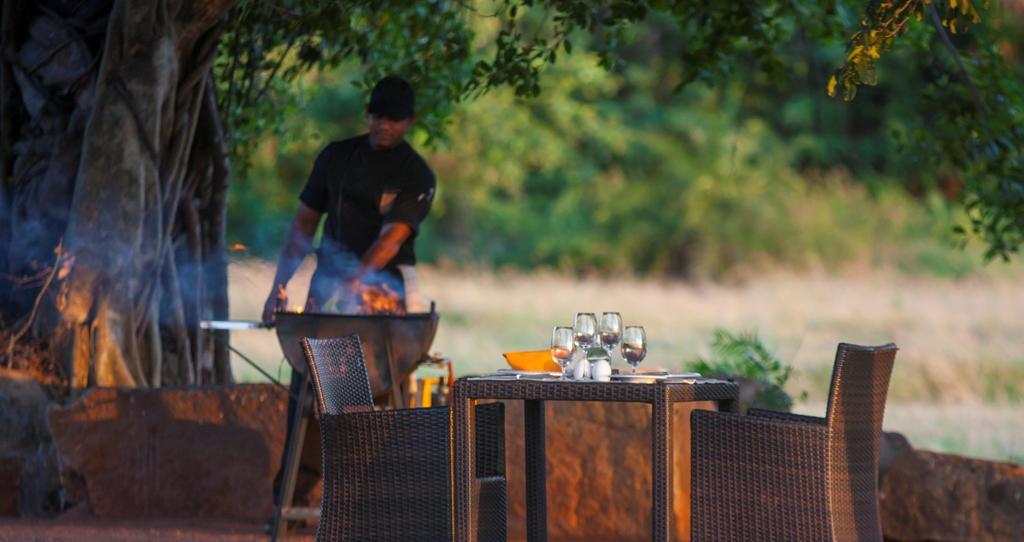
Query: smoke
pixel 334 265
pixel 55 90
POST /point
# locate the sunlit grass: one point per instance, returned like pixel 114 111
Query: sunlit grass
pixel 957 386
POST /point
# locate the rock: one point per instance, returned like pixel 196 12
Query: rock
pixel 28 462
pixel 10 477
pixel 599 470
pixel 892 445
pixel 939 497
pixel 173 453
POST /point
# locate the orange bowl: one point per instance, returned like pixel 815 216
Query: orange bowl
pixel 537 360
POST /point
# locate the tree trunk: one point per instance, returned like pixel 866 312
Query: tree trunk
pixel 120 160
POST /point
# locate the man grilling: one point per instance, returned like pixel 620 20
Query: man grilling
pixel 375 190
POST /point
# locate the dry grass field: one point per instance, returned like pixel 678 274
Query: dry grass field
pixel 958 385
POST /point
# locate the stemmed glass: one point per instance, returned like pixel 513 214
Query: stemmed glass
pixel 610 331
pixel 585 330
pixel 634 345
pixel 563 347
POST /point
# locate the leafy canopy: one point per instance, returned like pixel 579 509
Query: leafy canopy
pixel 975 127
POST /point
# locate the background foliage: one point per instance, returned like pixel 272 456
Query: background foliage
pixel 614 169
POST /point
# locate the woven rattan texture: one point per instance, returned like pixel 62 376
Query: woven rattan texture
pixel 860 383
pixel 785 416
pixel 490 440
pixel 339 374
pixel 492 522
pixel 597 391
pixel 385 476
pixel 775 476
pixel 536 469
pixel 535 394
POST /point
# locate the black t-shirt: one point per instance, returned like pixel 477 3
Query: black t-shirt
pixel 361 190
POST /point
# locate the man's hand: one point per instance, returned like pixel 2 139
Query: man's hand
pixel 296 246
pixel 276 301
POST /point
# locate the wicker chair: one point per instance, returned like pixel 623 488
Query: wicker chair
pixel 387 474
pixel 776 476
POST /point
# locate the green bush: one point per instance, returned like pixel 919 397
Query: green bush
pixel 744 356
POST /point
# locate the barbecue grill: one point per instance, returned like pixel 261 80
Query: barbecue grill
pixel 393 345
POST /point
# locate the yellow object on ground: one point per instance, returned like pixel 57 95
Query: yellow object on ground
pixel 537 360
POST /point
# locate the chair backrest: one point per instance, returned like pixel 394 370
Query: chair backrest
pixel 339 374
pixel 856 403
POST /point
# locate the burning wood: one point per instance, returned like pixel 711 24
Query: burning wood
pixel 362 299
pixel 381 299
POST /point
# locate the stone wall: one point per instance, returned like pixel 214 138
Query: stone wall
pixel 213 453
pixel 188 453
pixel 29 485
pixel 599 470
pixel 940 497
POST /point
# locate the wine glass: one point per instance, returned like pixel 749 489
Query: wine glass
pixel 563 347
pixel 634 345
pixel 585 330
pixel 610 331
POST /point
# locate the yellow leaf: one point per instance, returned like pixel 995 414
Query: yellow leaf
pixel 952 4
pixel 832 86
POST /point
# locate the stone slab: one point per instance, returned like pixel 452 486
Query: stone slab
pixel 165 453
pixel 599 470
pixel 941 497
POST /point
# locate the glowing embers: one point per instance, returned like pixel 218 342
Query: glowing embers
pixel 377 299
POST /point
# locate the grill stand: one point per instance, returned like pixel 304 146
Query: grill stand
pixel 299 423
pixel 284 511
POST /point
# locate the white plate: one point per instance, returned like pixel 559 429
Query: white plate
pixel 527 373
pixel 639 377
pixel 655 377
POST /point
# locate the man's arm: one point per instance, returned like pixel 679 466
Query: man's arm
pixel 383 250
pixel 296 246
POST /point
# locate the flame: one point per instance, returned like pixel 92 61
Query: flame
pixel 238 247
pixel 378 300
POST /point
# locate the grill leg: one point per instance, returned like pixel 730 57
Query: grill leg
pixel 293 455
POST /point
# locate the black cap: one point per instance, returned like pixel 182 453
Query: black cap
pixel 392 97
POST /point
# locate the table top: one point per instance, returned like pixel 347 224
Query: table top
pixel 698 389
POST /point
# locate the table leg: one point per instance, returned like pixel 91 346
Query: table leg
pixel 661 468
pixel 536 472
pixel 463 468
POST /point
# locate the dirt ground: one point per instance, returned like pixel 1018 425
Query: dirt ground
pixel 98 530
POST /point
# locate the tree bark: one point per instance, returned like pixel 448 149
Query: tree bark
pixel 114 96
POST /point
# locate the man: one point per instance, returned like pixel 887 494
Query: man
pixel 375 190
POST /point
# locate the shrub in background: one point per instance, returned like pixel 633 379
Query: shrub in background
pixel 745 358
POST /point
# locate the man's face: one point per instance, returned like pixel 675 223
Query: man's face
pixel 386 133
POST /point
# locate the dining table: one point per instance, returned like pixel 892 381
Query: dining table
pixel 659 391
